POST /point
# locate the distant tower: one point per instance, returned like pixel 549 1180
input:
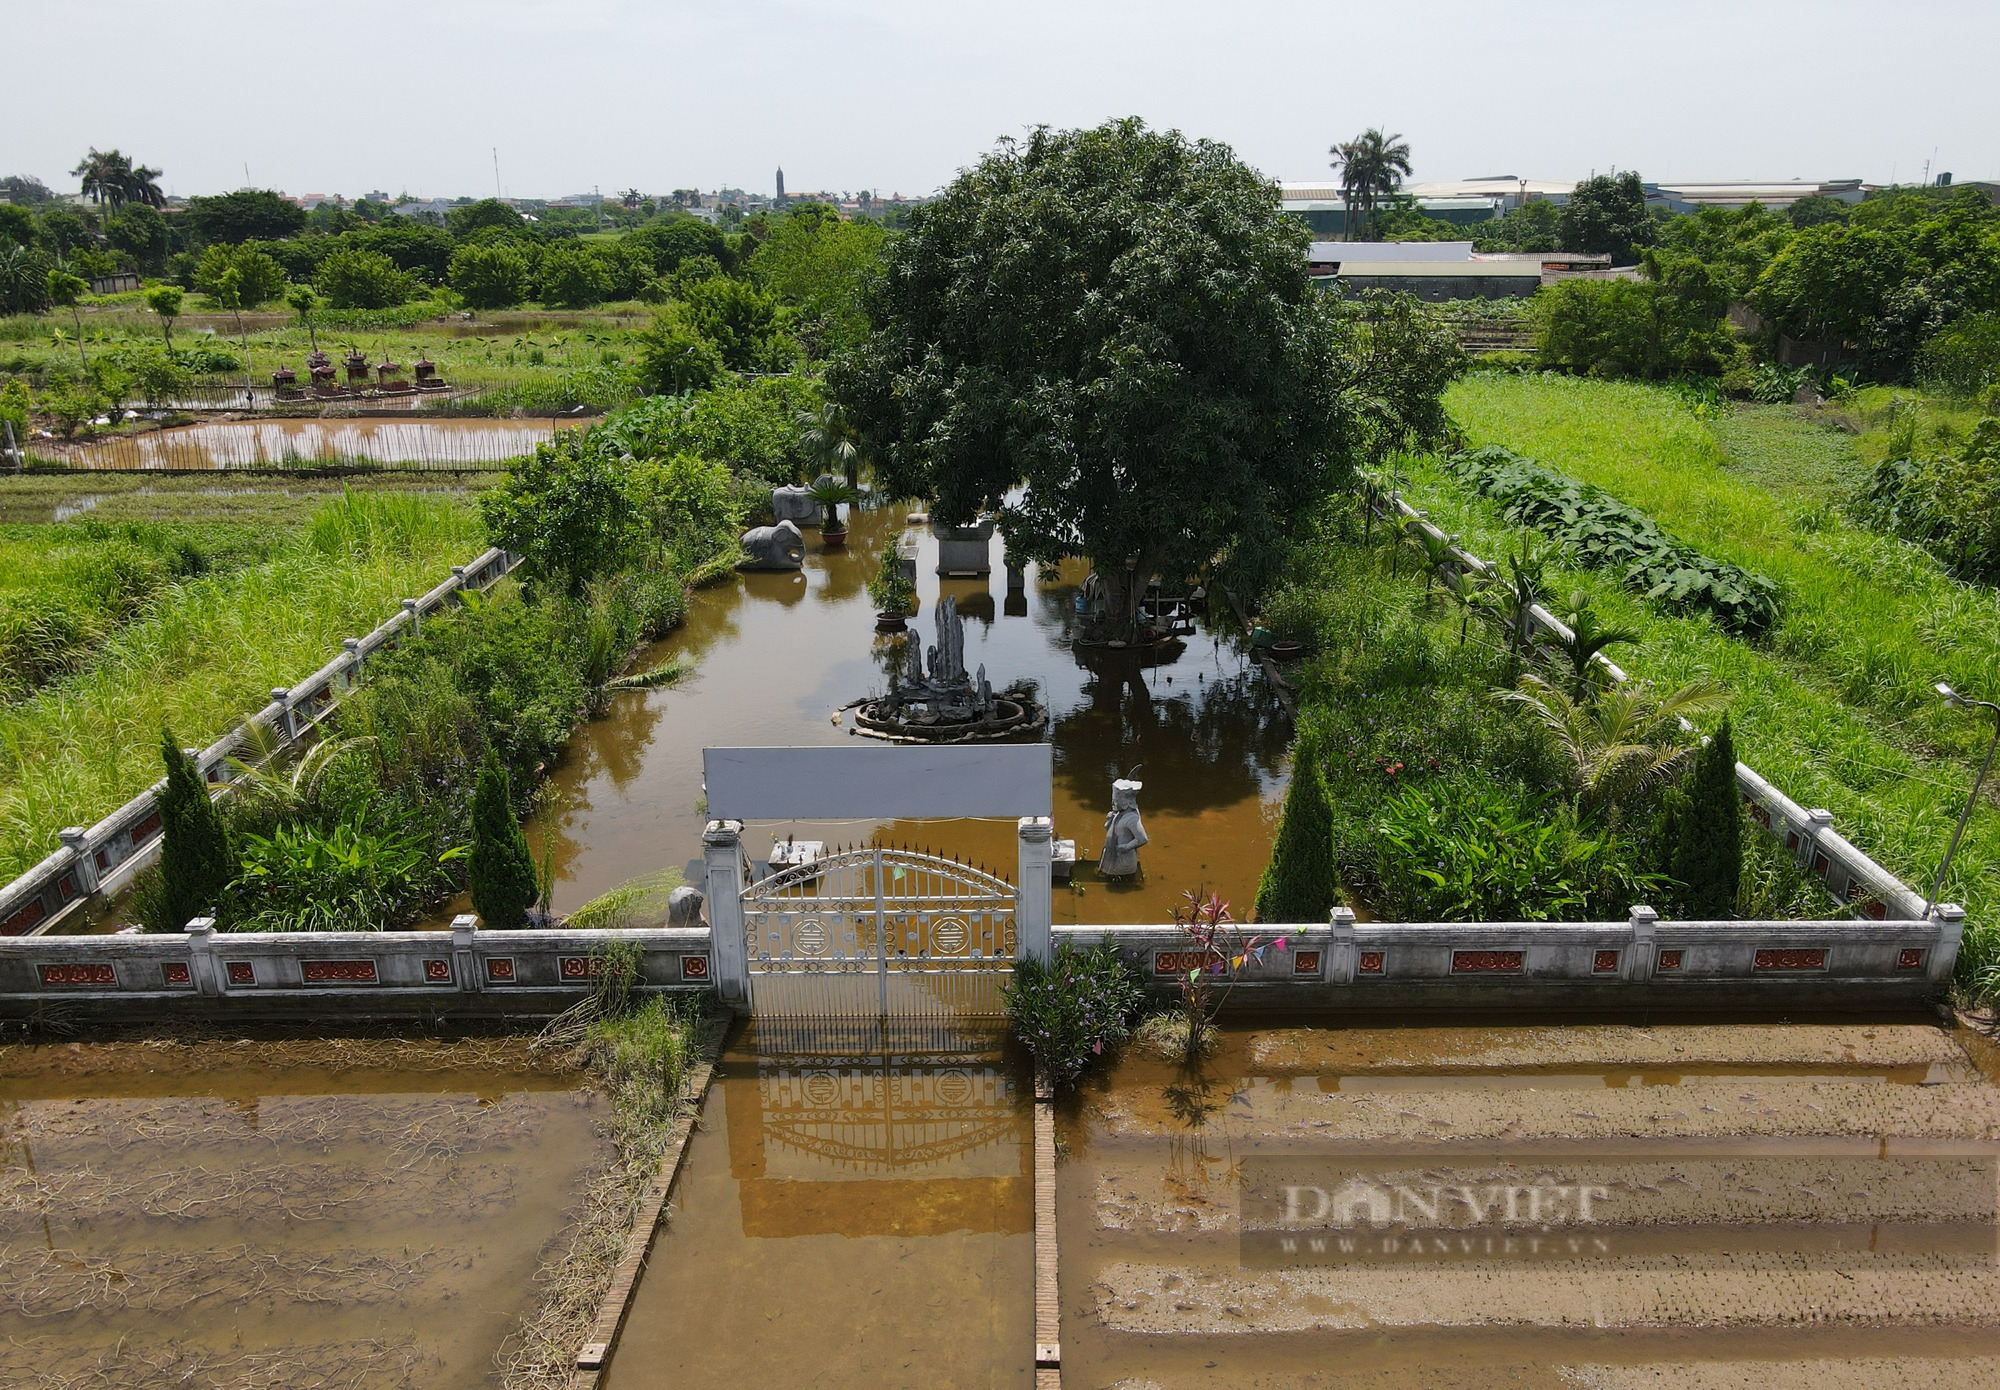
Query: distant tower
pixel 781 185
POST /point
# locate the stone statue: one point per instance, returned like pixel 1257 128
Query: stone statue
pixel 948 656
pixel 1124 832
pixel 684 907
pixel 780 547
pixel 790 503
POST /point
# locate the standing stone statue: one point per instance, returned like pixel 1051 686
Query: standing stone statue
pixel 1124 832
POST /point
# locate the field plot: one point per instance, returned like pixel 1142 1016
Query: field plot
pixel 1770 1205
pixel 253 1214
pixel 118 631
pixel 1835 706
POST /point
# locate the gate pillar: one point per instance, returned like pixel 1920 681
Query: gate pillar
pixel 722 856
pixel 1034 908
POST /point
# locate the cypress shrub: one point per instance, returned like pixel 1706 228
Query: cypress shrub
pixel 1301 884
pixel 502 869
pixel 195 862
pixel 1706 850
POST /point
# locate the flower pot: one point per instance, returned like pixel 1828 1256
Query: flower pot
pixel 833 536
pixel 1285 649
pixel 890 622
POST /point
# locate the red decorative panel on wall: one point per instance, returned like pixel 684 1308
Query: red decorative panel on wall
pixel 146 829
pixel 66 886
pixel 1305 962
pixel 1179 962
pixel 437 972
pixel 79 973
pixel 1604 962
pixel 500 969
pixel 1878 910
pixel 241 972
pixel 1910 958
pixel 694 967
pixel 176 972
pixel 1371 963
pixel 1821 864
pixel 579 967
pixel 1795 958
pixel 27 917
pixel 1486 962
pixel 339 972
pixel 1670 960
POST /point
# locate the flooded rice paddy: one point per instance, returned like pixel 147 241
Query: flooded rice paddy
pixel 296 1214
pixel 775 657
pixel 854 1211
pixel 225 444
pixel 1768 1205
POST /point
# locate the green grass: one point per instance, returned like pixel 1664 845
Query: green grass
pixel 250 500
pixel 1836 709
pixel 207 650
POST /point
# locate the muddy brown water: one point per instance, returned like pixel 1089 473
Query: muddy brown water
pixel 1781 1205
pixel 272 1214
pixel 855 1210
pixel 456 443
pixel 775 656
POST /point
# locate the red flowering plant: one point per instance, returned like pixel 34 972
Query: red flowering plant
pixel 1218 949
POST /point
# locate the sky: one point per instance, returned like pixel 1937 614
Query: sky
pixel 898 95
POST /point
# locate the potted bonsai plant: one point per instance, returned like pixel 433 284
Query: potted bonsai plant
pixel 829 492
pixel 893 592
pixel 1292 615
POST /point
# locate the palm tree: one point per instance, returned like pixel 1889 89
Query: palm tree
pixel 1620 742
pixel 631 197
pixel 1587 639
pixel 142 185
pixel 831 441
pixel 106 174
pixel 1372 166
pixel 1512 594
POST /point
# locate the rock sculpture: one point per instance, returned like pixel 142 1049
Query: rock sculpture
pixel 780 547
pixel 1124 832
pixel 937 702
pixel 684 906
pixel 790 503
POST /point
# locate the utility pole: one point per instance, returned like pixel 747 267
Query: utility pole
pixel 496 172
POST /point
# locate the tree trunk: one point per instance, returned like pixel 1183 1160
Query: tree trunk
pixel 77 319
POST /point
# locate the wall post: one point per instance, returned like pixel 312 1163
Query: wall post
pixel 1951 935
pixel 1034 906
pixel 722 856
pixel 76 839
pixel 201 946
pixel 464 963
pixel 1641 955
pixel 1343 954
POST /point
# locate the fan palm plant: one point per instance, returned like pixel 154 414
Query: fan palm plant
pixel 1619 742
pixel 829 492
pixel 831 441
pixel 1588 637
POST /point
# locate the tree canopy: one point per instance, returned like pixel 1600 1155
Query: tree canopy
pixel 250 214
pixel 1608 214
pixel 1119 323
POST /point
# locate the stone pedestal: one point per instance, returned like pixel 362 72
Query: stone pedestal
pixel 965 550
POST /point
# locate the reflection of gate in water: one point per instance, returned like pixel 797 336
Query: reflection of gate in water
pixel 879 933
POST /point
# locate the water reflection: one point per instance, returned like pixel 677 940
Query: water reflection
pixel 770 668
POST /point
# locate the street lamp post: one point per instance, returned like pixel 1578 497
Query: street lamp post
pixel 1958 701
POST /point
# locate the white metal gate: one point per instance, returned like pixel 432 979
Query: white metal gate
pixel 879 933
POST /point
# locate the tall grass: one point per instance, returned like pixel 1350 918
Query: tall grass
pixel 1892 791
pixel 208 650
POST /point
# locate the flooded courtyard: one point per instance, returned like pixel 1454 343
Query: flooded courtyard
pixel 775 658
pixel 272 1213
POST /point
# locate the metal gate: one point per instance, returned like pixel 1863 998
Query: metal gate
pixel 879 933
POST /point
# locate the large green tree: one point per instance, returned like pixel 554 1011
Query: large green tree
pixel 1107 336
pixel 1372 167
pixel 249 214
pixel 1608 214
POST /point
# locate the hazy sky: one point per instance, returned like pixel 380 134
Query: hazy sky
pixel 897 95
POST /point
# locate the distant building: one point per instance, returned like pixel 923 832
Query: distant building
pixel 781 187
pixel 1440 270
pixel 1740 193
pixel 425 209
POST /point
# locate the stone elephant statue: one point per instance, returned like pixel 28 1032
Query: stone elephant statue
pixel 780 547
